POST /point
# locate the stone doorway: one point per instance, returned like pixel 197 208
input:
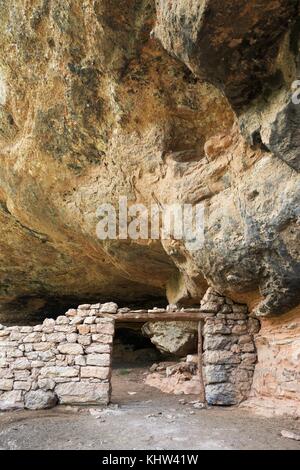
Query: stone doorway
pixel 141 371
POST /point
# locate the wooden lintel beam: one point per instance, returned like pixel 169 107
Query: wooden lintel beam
pixel 164 317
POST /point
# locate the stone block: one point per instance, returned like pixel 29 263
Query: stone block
pixel 6 385
pixel 221 394
pixel 95 372
pixel 84 340
pixel 103 328
pixel 215 374
pixel 56 337
pixel 11 400
pixel 98 349
pixel 102 338
pixel 72 338
pixel 21 364
pixel 109 307
pixel 83 329
pixel 89 320
pixel 62 320
pixel 217 342
pixel 83 392
pixel 22 385
pixel 54 371
pixel 40 400
pixel 221 357
pixel 102 360
pixel 71 348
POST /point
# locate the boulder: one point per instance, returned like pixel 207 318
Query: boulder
pixel 40 400
pixel 178 338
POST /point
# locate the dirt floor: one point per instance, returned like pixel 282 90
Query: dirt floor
pixel 141 417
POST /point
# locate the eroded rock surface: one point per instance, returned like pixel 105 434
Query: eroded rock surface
pixel 94 106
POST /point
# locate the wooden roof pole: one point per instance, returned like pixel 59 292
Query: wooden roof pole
pixel 162 317
pixel 200 361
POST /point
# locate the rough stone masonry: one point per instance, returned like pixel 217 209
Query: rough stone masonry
pixel 68 360
pixel 229 349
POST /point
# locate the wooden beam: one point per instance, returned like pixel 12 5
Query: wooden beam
pixel 200 362
pixel 164 317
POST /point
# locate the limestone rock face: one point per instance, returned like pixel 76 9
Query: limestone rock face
pixel 276 382
pixel 178 338
pixel 160 102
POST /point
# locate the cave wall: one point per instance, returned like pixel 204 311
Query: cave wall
pixel 276 381
pixel 161 102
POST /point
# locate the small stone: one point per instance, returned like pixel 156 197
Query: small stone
pixel 54 372
pixel 237 308
pixel 71 312
pixel 89 320
pixel 72 338
pixel 249 358
pixel 46 384
pixel 11 400
pixel 48 322
pixel 26 329
pixel 72 348
pixel 172 308
pixel 253 326
pixel 192 358
pixel 95 306
pixel 84 340
pixel 6 384
pixel 98 360
pixel 199 405
pixel 76 320
pixel 221 357
pixel 40 400
pixel 84 307
pixel 290 435
pixel 38 328
pixel 22 385
pixel 240 329
pixel 80 361
pixel 221 394
pixel 95 372
pixel 56 337
pixel 99 338
pixel 123 310
pixel 248 347
pixel 21 364
pixel 62 320
pixel 83 329
pixel 109 307
pixel 103 328
pixel 66 328
pixel 98 349
pixel 83 392
pixel 32 338
pixel 96 413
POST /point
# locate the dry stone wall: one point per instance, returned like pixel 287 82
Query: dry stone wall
pixel 229 350
pixel 66 361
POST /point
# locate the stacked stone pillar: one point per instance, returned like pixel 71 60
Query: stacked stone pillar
pixel 229 350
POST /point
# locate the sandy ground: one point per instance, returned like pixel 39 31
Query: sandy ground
pixel 144 418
